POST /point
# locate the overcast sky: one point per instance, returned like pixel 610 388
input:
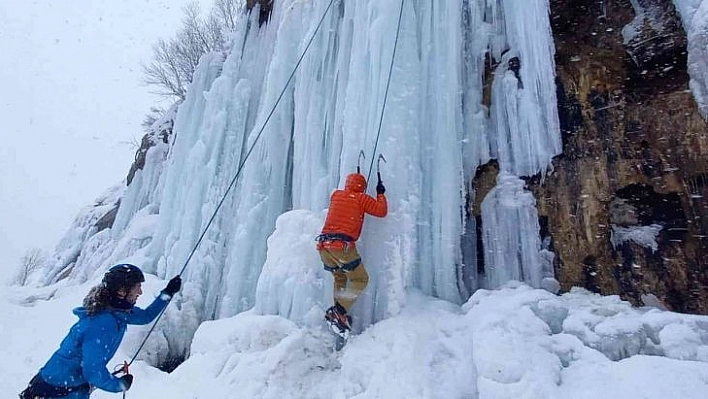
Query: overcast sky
pixel 71 101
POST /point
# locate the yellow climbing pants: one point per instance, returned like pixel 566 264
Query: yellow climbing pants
pixel 347 285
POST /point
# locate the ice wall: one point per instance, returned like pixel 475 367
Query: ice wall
pixel 436 130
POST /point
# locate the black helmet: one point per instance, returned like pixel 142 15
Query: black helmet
pixel 123 276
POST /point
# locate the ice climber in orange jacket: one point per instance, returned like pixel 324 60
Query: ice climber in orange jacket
pixel 337 243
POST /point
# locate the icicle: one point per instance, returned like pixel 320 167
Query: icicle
pixel 511 234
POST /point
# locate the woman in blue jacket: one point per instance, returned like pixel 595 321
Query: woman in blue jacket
pixel 79 365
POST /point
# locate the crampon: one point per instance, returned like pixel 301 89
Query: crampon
pixel 340 323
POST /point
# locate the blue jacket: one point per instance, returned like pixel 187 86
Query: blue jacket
pixel 91 343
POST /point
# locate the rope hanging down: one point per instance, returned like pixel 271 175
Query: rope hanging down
pixel 388 83
pixel 238 172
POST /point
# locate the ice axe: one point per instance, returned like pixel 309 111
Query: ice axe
pixel 358 162
pixel 378 166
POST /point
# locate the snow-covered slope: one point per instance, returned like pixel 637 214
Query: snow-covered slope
pixel 515 342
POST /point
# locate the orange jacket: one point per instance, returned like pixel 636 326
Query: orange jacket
pixel 347 208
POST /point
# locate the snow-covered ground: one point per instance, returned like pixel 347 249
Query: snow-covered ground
pixel 515 342
pixel 511 342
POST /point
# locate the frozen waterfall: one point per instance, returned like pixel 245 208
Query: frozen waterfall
pixel 436 131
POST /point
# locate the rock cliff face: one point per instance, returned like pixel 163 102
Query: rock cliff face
pixel 627 203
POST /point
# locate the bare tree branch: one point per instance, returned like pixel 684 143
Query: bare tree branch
pixel 174 62
pixel 226 11
pixel 30 262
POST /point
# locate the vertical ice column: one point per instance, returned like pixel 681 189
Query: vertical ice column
pixel 182 189
pixel 475 43
pixel 524 137
pixel 476 34
pixel 525 133
pixel 192 185
pixel 511 234
pixel 264 189
pixel 210 131
pixel 440 270
pixel 318 95
pixel 388 246
pixel 694 16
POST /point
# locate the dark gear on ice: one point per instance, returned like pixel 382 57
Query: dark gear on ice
pixel 79 365
pixel 337 244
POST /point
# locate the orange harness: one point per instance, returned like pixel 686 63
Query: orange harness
pixel 334 241
pixel 335 244
pixel 337 241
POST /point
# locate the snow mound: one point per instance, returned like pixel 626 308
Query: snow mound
pixel 515 342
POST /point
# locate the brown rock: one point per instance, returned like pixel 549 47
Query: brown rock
pixel 635 153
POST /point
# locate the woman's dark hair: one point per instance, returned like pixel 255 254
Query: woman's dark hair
pixel 97 300
pixel 106 295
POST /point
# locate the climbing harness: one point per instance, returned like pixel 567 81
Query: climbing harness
pixel 327 241
pixel 238 172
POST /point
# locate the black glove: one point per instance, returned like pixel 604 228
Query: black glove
pixel 127 381
pixel 173 286
pixel 380 189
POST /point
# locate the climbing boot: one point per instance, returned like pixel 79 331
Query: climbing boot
pixel 338 319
